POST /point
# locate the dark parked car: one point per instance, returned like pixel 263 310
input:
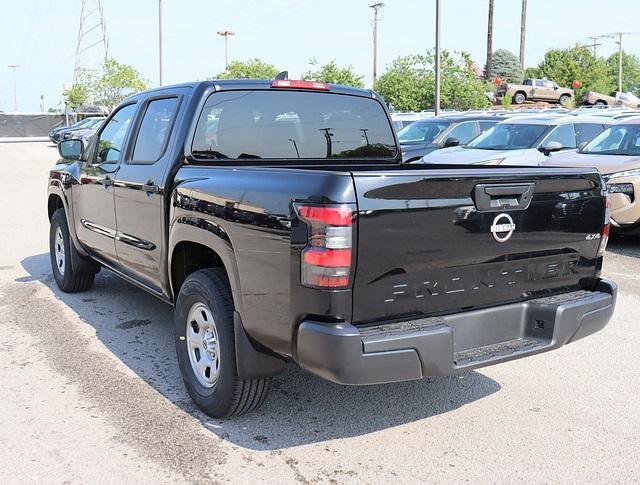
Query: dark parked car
pixel 297 234
pixel 426 135
pixel 57 134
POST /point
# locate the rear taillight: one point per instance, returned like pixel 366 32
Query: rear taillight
pixel 327 258
pixel 604 238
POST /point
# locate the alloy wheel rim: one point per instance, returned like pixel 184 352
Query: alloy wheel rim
pixel 59 251
pixel 203 345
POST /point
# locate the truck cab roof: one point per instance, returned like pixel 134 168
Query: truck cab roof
pixel 253 84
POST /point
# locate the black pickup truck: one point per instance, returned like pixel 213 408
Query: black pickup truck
pixel 279 221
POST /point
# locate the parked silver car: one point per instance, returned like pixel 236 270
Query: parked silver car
pixel 527 140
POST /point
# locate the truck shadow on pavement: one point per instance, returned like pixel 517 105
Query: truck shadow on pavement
pixel 624 245
pixel 137 329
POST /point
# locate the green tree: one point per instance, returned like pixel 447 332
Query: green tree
pixel 249 69
pixel 117 82
pixel 80 94
pixel 507 66
pixel 576 64
pixel 532 72
pixel 332 73
pixel 630 72
pixel 408 84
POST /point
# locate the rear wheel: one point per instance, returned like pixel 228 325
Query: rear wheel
pixel 564 99
pixel 205 344
pixel 519 98
pixel 67 278
pixel 600 104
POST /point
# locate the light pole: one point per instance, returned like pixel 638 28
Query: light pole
pixel 15 90
pixel 376 7
pixel 226 34
pixel 437 61
pixel 619 42
pixel 160 41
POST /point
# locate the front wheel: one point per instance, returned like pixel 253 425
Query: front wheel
pixel 205 344
pixel 67 278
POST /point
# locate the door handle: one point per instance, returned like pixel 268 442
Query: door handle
pixel 150 187
pixel 497 197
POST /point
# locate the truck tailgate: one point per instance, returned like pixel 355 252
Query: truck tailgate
pixel 436 241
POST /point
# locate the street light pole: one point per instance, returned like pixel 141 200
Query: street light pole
pixel 226 34
pixel 619 42
pixel 15 90
pixel 437 61
pixel 160 41
pixel 376 7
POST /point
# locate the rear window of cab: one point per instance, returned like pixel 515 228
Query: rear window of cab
pixel 291 125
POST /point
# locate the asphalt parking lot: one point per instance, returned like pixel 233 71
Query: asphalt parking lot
pixel 90 391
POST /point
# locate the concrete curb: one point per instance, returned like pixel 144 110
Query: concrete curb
pixel 24 139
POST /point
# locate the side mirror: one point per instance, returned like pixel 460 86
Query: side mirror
pixel 451 142
pixel 71 149
pixel 555 87
pixel 552 146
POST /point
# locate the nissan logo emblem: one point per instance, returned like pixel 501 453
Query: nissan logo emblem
pixel 502 227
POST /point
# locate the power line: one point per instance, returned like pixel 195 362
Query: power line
pixel 376 8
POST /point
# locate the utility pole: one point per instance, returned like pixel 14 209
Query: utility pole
pixel 594 42
pixel 489 66
pixel 226 34
pixel 376 7
pixel 438 72
pixel 15 90
pixel 619 42
pixel 160 42
pixel 523 28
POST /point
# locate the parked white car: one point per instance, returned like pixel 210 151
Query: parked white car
pixel 527 140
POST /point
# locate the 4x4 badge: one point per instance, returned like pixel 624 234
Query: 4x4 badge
pixel 502 227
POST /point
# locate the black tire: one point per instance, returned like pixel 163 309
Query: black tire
pixel 67 279
pixel 229 395
pixel 519 98
pixel 600 104
pixel 564 99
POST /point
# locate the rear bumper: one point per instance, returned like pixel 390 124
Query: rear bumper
pixel 451 344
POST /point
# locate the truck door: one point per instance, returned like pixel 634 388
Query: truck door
pixel 140 196
pixel 95 218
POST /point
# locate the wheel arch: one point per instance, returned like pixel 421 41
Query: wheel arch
pixel 191 249
pixel 54 202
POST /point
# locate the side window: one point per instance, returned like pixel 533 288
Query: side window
pixel 154 130
pixel 112 137
pixel 563 134
pixel 539 84
pixel 485 125
pixel 528 82
pixel 588 131
pixel 464 132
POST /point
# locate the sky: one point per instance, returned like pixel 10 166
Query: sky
pixel 41 35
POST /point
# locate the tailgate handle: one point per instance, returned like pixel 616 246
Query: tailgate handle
pixel 497 197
